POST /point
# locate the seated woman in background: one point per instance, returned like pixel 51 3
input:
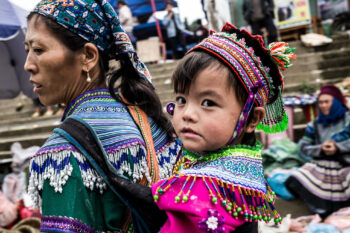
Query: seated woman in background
pixel 324 182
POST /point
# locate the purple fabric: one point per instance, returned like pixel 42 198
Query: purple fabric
pixel 189 216
pixel 63 224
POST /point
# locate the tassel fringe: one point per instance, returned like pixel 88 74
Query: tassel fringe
pixel 255 205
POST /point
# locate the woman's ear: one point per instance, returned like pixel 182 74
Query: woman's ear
pixel 258 115
pixel 90 56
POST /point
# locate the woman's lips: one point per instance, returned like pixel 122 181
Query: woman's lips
pixel 37 88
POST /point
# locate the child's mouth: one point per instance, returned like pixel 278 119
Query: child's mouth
pixel 188 132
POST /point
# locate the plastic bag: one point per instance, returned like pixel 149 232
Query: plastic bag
pixel 276 183
pixel 321 228
pixel 340 219
pixel 8 211
pixel 300 224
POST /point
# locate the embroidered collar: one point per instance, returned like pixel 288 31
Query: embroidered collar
pixel 224 173
pixel 236 150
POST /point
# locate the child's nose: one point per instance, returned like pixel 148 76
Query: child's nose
pixel 190 114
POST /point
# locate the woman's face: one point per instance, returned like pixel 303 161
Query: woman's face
pixel 56 72
pixel 325 102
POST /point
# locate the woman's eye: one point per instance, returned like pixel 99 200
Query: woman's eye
pixel 37 50
pixel 180 100
pixel 208 103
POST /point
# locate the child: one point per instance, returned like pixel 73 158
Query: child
pixel 225 88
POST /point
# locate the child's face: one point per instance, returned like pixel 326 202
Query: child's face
pixel 205 118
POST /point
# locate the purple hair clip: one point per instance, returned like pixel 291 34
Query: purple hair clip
pixel 170 107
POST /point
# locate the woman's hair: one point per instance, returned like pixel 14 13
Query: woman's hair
pixel 195 62
pixel 137 90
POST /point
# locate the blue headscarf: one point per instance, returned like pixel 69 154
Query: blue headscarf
pixel 336 113
pixel 94 21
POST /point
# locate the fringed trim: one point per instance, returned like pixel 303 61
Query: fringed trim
pixel 276 119
pixel 131 161
pixel 56 168
pixel 256 205
pixel 166 158
pixel 276 128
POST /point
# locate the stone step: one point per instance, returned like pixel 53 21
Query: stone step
pixel 296 207
pixel 5 157
pixel 169 63
pixel 314 64
pixel 166 69
pixel 299 77
pixel 10 104
pixel 297 88
pixel 7 115
pixel 26 141
pixel 24 129
pixel 335 45
pixel 15 120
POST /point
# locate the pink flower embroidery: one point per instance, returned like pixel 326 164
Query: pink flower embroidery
pixel 213 223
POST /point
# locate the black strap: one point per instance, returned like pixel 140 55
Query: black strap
pixel 138 196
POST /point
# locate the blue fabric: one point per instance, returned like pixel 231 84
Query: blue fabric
pixel 337 112
pixel 142 7
pixel 276 183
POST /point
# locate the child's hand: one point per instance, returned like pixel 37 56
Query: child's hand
pixel 329 148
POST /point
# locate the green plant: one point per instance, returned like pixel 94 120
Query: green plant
pixel 307 88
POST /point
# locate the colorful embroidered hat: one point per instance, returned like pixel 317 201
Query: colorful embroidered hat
pixel 94 21
pixel 257 68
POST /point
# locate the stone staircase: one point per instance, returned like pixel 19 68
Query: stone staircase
pixel 314 66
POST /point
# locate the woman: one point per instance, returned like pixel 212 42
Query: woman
pixel 324 182
pixel 69 46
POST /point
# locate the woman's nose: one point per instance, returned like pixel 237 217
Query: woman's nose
pixel 29 66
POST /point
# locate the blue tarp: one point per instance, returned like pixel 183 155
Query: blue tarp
pixel 12 18
pixel 142 7
pixel 13 78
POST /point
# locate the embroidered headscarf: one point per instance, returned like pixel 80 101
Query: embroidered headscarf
pixel 95 21
pixel 257 68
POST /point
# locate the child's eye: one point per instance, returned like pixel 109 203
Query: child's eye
pixel 208 103
pixel 180 100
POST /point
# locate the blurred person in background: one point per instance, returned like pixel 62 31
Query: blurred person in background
pixel 260 14
pixel 174 28
pixel 324 182
pixel 125 17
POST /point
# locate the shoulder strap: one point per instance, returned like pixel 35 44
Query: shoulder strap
pixel 141 119
pixel 138 198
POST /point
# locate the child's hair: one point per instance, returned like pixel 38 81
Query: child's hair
pixel 195 62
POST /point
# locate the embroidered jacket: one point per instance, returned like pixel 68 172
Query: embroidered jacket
pixel 74 196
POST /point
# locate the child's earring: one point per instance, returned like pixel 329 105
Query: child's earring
pixel 170 107
pixel 88 79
